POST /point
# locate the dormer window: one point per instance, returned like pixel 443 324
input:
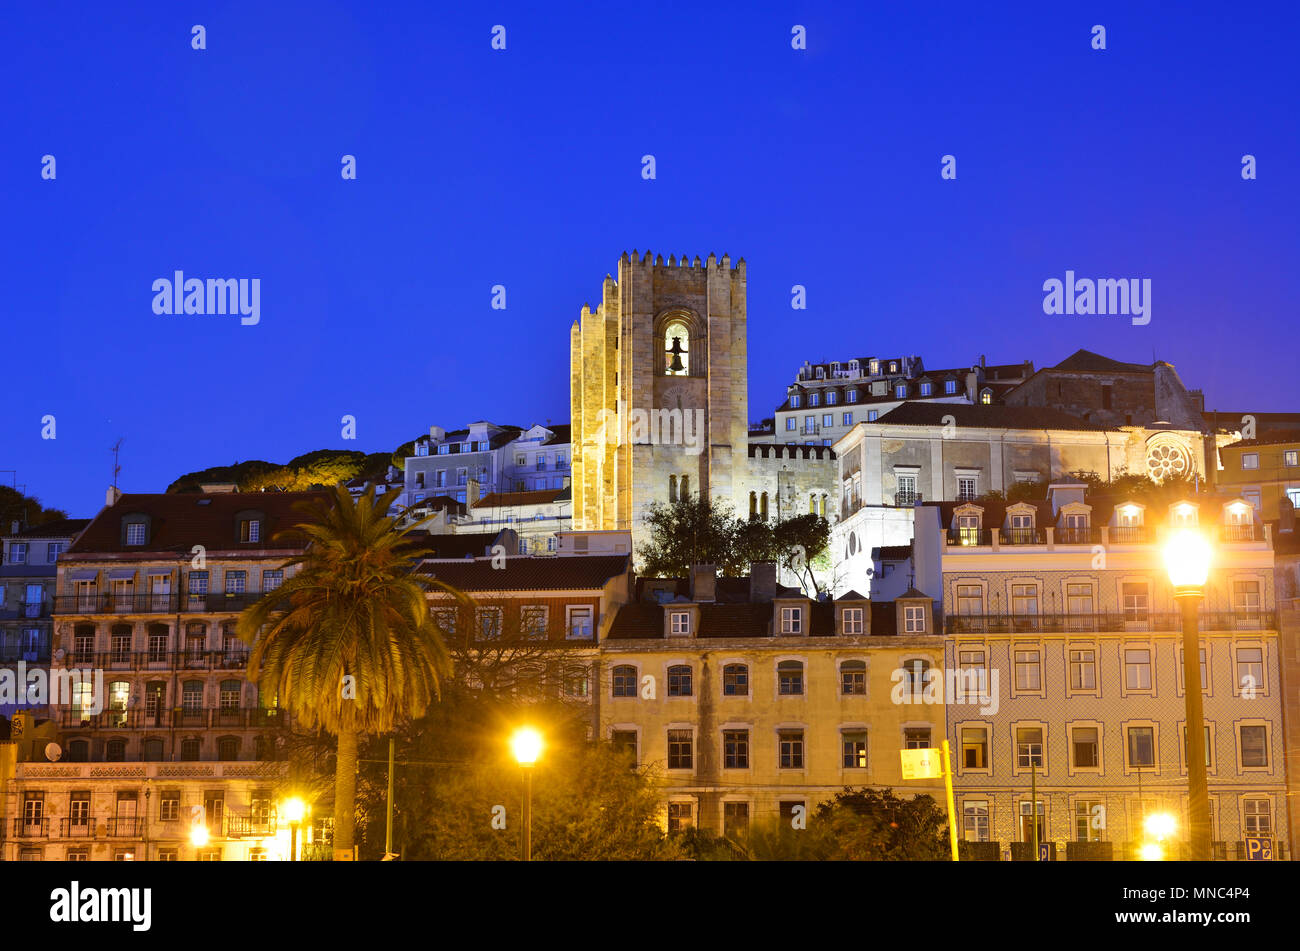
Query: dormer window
pixel 986 397
pixel 900 390
pixel 679 623
pixel 914 619
pixel 851 620
pixel 1020 528
pixel 853 396
pixel 927 389
pixel 794 402
pixel 1184 516
pixel 832 398
pixel 136 532
pixel 821 373
pixel 875 367
pixel 422 449
pixel 950 386
pixel 1074 529
pixel 893 367
pixel 792 620
pixel 18 553
pixel 815 399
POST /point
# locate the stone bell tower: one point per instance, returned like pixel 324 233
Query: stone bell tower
pixel 658 382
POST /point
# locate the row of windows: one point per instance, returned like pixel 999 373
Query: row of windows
pixel 1082 597
pixel 1029 750
pixel 534 621
pixel 1089 818
pixel 1138 667
pixel 19 551
pixel 1290 459
pixel 236 582
pixel 790 679
pixel 900 390
pixel 790 752
pixel 153 749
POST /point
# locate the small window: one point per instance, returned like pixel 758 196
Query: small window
pixel 1250 460
pixel 853 745
pixel 791 621
pixel 950 386
pixel 680 749
pixel 974 747
pixel 1141 746
pixel 579 622
pixel 927 389
pixel 135 533
pixel 1291 458
pixel 18 552
pixel 250 530
pixel 914 619
pixel 789 678
pixel 735 680
pixel 1137 669
pixel 1083 742
pixel 735 749
pixel 680 817
pixel 853 678
pixel 852 620
pixel 680 681
pixel 1029 747
pixel 790 749
pixel 848 419
pixel 679 623
pixel 625 681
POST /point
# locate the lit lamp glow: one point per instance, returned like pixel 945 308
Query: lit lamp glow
pixel 1160 825
pixel 1187 557
pixel 293 810
pixel 199 836
pixel 526 744
pixel 1151 852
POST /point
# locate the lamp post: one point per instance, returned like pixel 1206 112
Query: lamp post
pixel 293 811
pixel 1187 558
pixel 527 747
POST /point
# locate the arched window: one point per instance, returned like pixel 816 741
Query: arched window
pixel 263 749
pixel 192 696
pixel 789 678
pixel 684 489
pixel 190 749
pixel 853 677
pixel 672 488
pixel 735 680
pixel 763 506
pixel 679 681
pixel 915 673
pixel 153 750
pixel 677 348
pixel 78 751
pixel 812 505
pixel 753 505
pixel 624 679
pixel 116 750
pixel 228 748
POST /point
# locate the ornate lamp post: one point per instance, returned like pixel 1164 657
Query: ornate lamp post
pixel 1187 558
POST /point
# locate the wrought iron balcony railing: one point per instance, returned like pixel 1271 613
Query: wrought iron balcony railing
pixel 1118 622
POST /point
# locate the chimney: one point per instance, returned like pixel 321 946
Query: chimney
pixel 112 495
pixel 471 493
pixel 762 582
pixel 1285 515
pixel 704 583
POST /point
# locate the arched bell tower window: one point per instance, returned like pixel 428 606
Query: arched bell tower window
pixel 677 348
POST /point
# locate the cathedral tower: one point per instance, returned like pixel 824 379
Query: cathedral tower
pixel 658 380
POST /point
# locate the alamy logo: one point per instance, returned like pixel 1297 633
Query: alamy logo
pixel 921 684
pixel 656 427
pixel 133 905
pixel 182 295
pixel 1105 296
pixel 81 688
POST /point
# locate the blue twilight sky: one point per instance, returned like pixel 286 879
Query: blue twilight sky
pixel 523 168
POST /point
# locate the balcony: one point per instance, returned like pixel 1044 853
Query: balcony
pixel 203 717
pixel 160 660
pixel 1022 536
pixel 1241 533
pixel 192 603
pixel 1131 535
pixel 125 827
pixel 908 498
pixel 1209 621
pixel 970 536
pixel 26 609
pixel 80 828
pixel 25 828
pixel 257 825
pixel 814 429
pixel 1077 535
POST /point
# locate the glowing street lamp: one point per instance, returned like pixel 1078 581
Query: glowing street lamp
pixel 1188 554
pixel 293 810
pixel 199 836
pixel 1160 825
pixel 526 744
pixel 1151 852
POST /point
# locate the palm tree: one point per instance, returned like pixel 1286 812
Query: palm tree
pixel 346 643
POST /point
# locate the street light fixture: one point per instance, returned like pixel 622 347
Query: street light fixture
pixel 526 744
pixel 293 811
pixel 1187 558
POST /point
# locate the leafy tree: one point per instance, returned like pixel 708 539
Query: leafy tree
pixel 875 825
pixel 693 530
pixel 347 643
pixel 24 509
pixel 455 775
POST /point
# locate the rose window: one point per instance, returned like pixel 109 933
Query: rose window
pixel 1166 461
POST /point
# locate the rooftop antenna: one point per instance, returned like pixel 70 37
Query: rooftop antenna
pixel 115 450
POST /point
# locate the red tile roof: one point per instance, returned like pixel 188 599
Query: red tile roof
pixel 179 521
pixel 523 573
